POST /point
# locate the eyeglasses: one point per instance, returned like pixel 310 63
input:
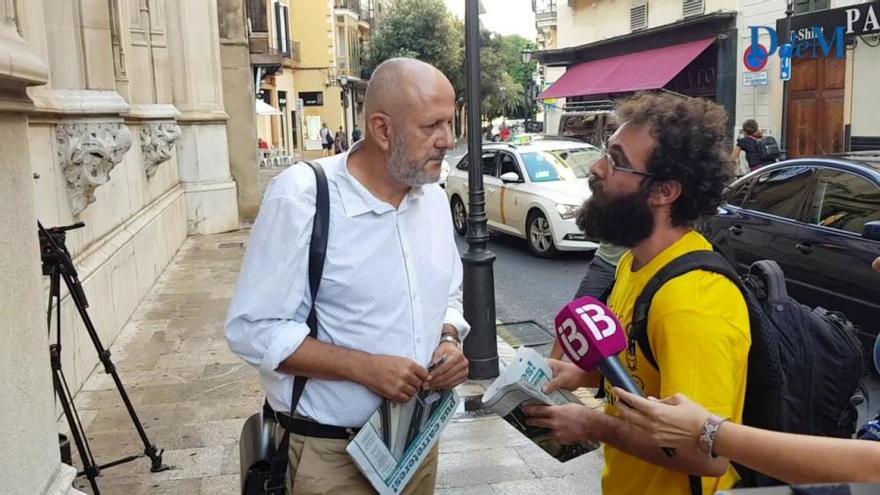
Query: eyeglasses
pixel 613 166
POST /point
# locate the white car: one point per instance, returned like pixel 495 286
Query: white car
pixel 444 172
pixel 533 191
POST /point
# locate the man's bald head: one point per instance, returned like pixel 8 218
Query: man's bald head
pixel 409 108
pixel 398 84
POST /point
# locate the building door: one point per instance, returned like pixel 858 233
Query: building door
pixel 815 106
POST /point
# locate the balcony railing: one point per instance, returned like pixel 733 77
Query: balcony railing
pixel 545 18
pixel 343 67
pixel 267 57
pixel 354 6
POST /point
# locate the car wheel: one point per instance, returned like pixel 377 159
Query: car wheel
pixel 539 236
pixel 459 216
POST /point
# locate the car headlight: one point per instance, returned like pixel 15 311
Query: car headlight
pixel 567 211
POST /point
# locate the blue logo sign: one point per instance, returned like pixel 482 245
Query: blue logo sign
pixel 803 43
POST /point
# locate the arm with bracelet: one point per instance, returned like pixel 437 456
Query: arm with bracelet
pixel 681 423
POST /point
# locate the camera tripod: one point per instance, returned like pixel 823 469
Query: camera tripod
pixel 57 265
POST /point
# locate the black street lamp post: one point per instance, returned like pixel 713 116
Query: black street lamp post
pixel 531 93
pixel 481 346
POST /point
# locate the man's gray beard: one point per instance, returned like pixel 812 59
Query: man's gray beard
pixel 404 171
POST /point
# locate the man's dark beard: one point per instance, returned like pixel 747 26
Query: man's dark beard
pixel 623 221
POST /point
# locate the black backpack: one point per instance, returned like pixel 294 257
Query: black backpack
pixel 768 149
pixel 805 366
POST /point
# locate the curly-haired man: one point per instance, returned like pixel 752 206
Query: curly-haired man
pixel 664 167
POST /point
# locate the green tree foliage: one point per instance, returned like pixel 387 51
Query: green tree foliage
pixel 422 29
pixel 502 67
pixel 426 30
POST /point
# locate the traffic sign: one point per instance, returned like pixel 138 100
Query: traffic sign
pixel 755 57
pixel 785 68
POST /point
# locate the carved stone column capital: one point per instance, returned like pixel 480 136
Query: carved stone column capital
pixel 157 144
pixel 87 153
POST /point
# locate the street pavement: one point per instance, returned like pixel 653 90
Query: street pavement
pixel 528 288
pixel 193 396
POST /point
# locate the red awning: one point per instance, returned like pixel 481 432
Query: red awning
pixel 650 69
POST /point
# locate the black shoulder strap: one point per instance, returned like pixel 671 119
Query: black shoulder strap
pixel 710 261
pixel 317 255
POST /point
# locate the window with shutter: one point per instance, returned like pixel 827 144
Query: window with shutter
pixel 282 40
pixel 806 6
pixel 256 12
pixel 638 17
pixel 692 7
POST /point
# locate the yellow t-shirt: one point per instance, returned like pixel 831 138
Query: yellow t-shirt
pixel 698 328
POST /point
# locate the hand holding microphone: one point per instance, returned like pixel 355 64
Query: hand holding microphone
pixel 592 337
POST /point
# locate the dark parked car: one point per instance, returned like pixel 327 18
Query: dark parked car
pixel 819 218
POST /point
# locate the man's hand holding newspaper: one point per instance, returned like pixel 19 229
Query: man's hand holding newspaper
pixel 522 384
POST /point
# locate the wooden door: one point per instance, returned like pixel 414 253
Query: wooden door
pixel 815 106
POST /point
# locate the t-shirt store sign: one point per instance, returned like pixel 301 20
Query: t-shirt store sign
pixel 818 34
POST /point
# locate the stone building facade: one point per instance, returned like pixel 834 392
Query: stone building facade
pixel 112 114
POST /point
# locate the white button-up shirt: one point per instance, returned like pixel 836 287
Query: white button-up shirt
pixel 391 279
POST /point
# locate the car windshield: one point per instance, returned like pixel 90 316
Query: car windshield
pixel 565 164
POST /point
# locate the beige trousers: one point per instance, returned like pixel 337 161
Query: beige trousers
pixel 321 466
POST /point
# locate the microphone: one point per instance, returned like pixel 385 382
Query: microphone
pixel 592 337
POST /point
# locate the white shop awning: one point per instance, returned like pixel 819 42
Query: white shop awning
pixel 264 108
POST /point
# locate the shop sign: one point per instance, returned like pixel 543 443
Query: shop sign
pixel 815 34
pixel 857 20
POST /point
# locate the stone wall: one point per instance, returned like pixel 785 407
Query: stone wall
pixel 112 113
pixel 27 411
pixel 129 137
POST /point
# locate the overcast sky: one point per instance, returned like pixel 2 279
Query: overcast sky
pixel 503 16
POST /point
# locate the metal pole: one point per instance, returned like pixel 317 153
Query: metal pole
pixel 789 11
pixel 481 347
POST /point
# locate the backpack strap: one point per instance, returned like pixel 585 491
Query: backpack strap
pixel 710 261
pixel 317 254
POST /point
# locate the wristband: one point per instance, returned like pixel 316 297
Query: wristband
pixel 708 433
pixel 448 337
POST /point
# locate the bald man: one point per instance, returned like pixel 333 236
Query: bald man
pixel 389 300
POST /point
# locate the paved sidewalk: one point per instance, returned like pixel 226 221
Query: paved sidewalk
pixel 193 396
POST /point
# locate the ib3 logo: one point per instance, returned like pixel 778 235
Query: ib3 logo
pixel 594 318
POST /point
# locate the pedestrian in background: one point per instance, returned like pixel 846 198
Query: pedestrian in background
pixel 505 133
pixel 340 141
pixel 386 310
pixel 326 140
pixel 755 145
pixel 356 134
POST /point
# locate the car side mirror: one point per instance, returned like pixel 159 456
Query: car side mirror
pixel 872 231
pixel 510 177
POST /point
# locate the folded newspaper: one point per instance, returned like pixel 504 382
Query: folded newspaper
pixel 391 447
pixel 520 385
